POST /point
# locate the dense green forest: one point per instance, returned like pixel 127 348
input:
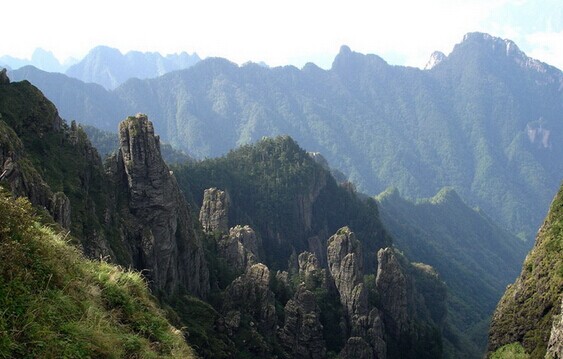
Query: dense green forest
pixel 288 198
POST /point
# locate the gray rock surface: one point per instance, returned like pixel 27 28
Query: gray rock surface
pixel 250 293
pixel 391 281
pixel 302 333
pixel 555 346
pixel 239 247
pixel 4 79
pixel 311 272
pixel 159 231
pixel 214 213
pixel 356 348
pixel 61 209
pixel 344 255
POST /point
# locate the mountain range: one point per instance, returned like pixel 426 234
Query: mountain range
pixel 284 259
pixel 484 120
pixel 106 66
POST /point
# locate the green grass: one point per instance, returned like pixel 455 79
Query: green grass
pixel 510 351
pixel 54 303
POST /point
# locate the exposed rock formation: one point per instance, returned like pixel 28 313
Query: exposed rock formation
pixel 302 333
pixel 239 247
pixel 61 209
pixel 214 213
pixel 392 283
pixel 555 346
pixel 4 79
pixel 250 293
pixel 311 272
pixel 366 331
pixel 356 348
pixel 159 231
pixel 346 267
pixel 434 60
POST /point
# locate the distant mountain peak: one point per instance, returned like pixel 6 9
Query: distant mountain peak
pixel 435 59
pixel 446 195
pixel 506 49
pixel 348 59
pixel 344 50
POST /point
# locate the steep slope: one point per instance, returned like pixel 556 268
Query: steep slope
pixel 110 68
pixel 155 222
pixel 529 312
pixel 47 157
pixel 56 167
pixel 475 258
pixel 56 303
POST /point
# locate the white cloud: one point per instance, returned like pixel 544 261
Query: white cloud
pixel 547 47
pixel 277 32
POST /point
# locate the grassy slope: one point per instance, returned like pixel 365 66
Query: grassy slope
pixel 55 303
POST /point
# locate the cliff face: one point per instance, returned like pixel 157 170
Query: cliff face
pixel 159 230
pixel 528 313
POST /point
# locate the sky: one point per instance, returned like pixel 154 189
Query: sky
pixel 289 32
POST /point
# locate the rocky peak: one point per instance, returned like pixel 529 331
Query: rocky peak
pixel 240 247
pixel 250 293
pixel 344 255
pixel 4 79
pixel 391 280
pixel 310 270
pixel 365 327
pixel 159 231
pixel 507 49
pixel 435 59
pixel 302 333
pixel 214 213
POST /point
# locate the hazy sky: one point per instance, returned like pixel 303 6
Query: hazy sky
pixel 279 32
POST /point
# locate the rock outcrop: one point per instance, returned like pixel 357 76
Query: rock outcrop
pixel 214 213
pixel 356 348
pixel 4 79
pixel 555 345
pixel 434 60
pixel 392 282
pixel 250 294
pixel 61 209
pixel 311 272
pixel 240 248
pixel 159 231
pixel 366 331
pixel 302 333
pixel 346 267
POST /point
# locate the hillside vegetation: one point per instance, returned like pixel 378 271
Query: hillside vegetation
pixel 56 303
